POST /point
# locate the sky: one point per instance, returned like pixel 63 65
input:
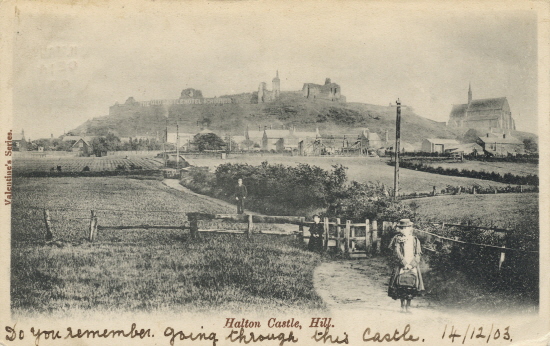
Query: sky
pixel 71 62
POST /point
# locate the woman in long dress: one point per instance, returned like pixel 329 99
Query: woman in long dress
pixel 407 251
pixel 316 235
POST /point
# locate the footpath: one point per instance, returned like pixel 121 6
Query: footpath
pixel 359 286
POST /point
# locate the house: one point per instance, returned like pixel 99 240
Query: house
pixel 274 140
pixel 254 138
pixel 438 145
pixel 19 143
pixel 339 143
pixel 501 144
pixel 482 113
pixel 83 147
pixel 371 140
pixel 466 149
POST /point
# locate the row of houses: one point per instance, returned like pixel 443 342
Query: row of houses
pixel 492 143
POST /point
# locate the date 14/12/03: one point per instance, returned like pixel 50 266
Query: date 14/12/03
pixel 473 332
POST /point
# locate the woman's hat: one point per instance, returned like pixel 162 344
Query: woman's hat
pixel 404 223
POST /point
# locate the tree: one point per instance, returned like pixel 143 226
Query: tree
pixel 531 145
pixel 208 141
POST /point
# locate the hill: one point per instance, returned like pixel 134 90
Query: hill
pixel 291 109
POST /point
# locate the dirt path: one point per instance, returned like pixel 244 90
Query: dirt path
pixel 174 183
pixel 361 285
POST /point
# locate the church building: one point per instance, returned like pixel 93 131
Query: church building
pixel 483 113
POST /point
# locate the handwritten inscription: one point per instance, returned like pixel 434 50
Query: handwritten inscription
pixel 242 335
pixel 473 332
pixel 388 337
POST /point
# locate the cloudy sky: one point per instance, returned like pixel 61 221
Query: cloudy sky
pixel 72 62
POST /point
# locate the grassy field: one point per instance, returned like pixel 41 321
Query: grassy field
pixel 502 210
pixel 77 164
pixel 137 269
pixel 361 169
pixel 502 168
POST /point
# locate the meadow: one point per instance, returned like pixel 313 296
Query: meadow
pixel 147 270
pixel 522 169
pixel 503 210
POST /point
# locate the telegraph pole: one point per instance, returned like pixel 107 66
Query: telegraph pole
pixel 164 143
pixel 177 145
pixel 396 150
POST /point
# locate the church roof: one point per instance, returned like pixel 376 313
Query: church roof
pixel 485 104
pixel 458 111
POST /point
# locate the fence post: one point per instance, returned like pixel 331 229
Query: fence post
pixel 338 235
pixel 386 225
pixel 301 227
pixel 48 222
pixel 250 227
pixel 368 243
pixel 375 239
pixel 93 226
pixel 501 258
pixel 325 227
pixel 346 237
pixel 193 225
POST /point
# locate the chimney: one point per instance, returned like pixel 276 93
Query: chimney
pixel 265 127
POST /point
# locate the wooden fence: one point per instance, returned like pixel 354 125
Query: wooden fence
pixel 353 240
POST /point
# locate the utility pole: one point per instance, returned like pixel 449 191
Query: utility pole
pixel 177 146
pixel 164 142
pixel 396 150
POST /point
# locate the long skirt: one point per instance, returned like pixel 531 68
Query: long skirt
pixel 315 244
pixel 397 292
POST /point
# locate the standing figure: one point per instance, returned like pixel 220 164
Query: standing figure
pixel 240 196
pixel 316 235
pixel 406 279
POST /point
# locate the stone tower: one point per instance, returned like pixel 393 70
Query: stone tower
pixel 276 86
pixel 469 93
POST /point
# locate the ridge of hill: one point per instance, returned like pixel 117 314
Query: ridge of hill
pixel 291 109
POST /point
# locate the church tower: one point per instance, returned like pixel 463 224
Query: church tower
pixel 276 86
pixel 469 93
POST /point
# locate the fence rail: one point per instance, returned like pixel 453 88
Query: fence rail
pixel 351 239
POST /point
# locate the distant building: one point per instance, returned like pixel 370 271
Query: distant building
pixel 19 143
pixel 371 140
pixel 253 138
pixel 438 145
pixel 501 144
pixel 274 140
pixel 466 149
pixel 484 113
pixel 83 147
pixel 329 91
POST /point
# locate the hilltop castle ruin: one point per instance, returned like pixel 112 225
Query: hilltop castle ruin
pixel 329 91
